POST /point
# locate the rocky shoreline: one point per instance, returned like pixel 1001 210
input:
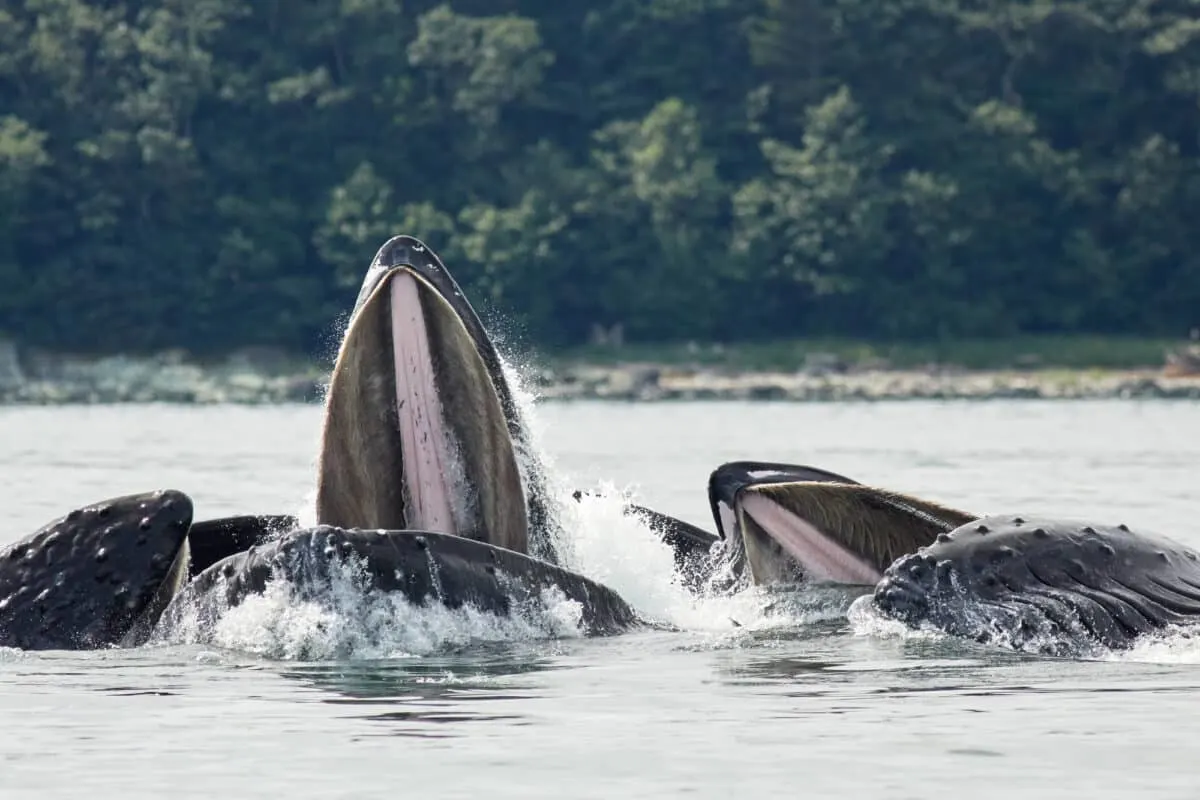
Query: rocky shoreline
pixel 247 378
pixel 258 378
pixel 652 383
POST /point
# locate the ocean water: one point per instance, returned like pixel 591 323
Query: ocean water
pixel 739 702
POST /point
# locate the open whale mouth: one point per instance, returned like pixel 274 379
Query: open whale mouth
pixel 799 524
pixel 781 545
pixel 416 432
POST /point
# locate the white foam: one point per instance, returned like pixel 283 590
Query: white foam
pixel 351 622
pixel 306 514
pixel 865 620
pixel 1174 645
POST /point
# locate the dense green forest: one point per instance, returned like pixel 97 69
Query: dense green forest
pixel 215 173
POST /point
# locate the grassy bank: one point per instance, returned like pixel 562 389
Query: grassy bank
pixel 1022 352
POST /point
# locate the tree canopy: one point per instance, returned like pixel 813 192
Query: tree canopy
pixel 214 173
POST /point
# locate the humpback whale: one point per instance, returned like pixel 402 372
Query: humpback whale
pixel 1050 586
pixel 98 576
pixel 426 479
pixel 426 485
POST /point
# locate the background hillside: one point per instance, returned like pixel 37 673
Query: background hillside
pixel 209 174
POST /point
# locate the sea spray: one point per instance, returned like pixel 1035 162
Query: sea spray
pixel 599 540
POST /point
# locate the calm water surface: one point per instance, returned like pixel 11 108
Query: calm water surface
pixel 806 705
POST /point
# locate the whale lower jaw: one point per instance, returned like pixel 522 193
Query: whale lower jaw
pixel 423 567
pixel 792 523
pixel 775 538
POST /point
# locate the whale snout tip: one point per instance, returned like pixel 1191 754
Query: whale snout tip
pixel 901 598
pixel 401 251
pixel 906 587
pixel 916 585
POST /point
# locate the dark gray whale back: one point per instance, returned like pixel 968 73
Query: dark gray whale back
pixel 96 577
pixel 1045 585
pixel 423 567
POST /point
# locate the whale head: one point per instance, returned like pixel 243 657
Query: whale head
pixel 1052 586
pixel 421 430
pixel 98 576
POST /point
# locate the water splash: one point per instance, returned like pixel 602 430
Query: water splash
pixel 865 620
pixel 349 621
pixel 306 512
pixel 1172 645
pixel 1070 640
pixel 595 538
